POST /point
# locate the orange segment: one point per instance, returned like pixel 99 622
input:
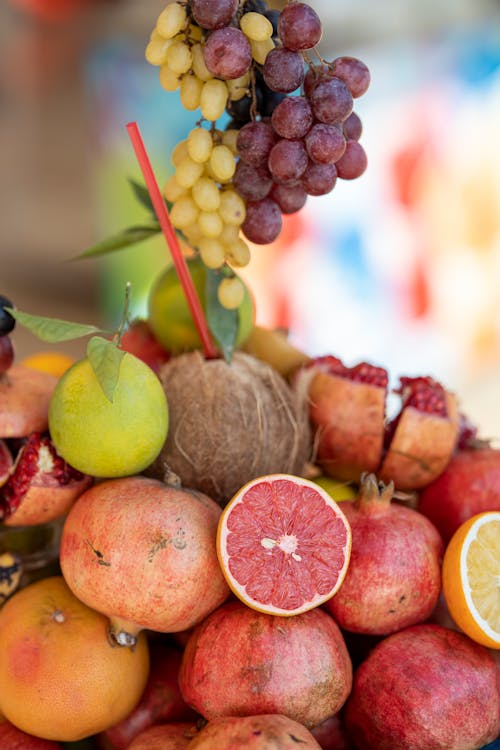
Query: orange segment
pixel 471 578
pixel 283 544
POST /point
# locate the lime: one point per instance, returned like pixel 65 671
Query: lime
pixel 170 317
pixel 109 438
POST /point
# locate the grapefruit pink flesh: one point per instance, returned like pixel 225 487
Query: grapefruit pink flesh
pixel 283 544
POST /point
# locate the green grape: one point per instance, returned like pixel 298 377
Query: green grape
pixel 256 26
pixel 222 163
pixel 184 212
pixel 179 153
pixel 238 87
pixel 171 20
pixel 229 139
pixel 206 194
pixel 210 223
pixel 169 80
pixel 232 207
pixel 156 50
pixel 188 172
pixel 179 57
pixel 230 233
pixel 260 50
pixel 199 145
pixel 238 253
pixel 212 252
pixel 214 96
pixel 190 91
pixel 172 190
pixel 230 293
pixel 199 67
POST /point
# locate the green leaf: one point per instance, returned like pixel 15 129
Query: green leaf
pixel 223 323
pixel 52 330
pixel 123 239
pixel 105 358
pixel 142 194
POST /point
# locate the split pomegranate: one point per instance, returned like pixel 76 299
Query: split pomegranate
pixel 426 687
pixel 6 462
pixel 239 662
pixel 255 733
pixel 143 553
pixel 469 485
pixel 347 410
pixel 42 486
pixel 161 700
pixel 394 576
pixel 24 401
pixel 421 439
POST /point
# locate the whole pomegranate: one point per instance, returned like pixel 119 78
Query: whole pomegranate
pixel 143 553
pixel 426 687
pixel 161 700
pixel 164 737
pixel 239 662
pixel 394 575
pixel 12 738
pixel 469 485
pixel 255 733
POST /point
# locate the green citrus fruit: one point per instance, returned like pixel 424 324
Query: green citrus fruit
pixel 170 317
pixel 336 488
pixel 104 438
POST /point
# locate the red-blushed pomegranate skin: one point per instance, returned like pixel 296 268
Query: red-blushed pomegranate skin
pixel 161 700
pixel 469 485
pixel 164 737
pixel 25 396
pixel 331 734
pixel 12 738
pixel 394 574
pixel 254 733
pixel 426 688
pixel 239 662
pixel 144 554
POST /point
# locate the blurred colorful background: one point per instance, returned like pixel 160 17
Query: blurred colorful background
pixel 400 267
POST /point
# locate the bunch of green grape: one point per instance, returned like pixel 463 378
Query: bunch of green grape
pixel 292 130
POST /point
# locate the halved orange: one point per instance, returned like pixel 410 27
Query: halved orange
pixel 471 578
pixel 283 544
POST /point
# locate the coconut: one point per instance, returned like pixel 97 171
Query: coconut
pixel 230 423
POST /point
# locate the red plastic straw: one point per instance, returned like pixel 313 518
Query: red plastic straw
pixel 173 243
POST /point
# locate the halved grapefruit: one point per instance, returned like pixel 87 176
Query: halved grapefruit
pixel 283 544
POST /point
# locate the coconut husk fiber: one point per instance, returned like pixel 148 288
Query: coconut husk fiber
pixel 230 423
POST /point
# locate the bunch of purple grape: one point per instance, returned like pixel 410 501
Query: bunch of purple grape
pixel 292 131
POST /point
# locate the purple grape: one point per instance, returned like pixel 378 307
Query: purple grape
pixel 292 117
pixel 7 321
pixel 353 72
pixel 287 160
pixel 299 27
pixel 252 183
pixel 213 14
pixel 331 101
pixel 255 141
pixel 353 163
pixel 352 127
pixel 263 221
pixel 319 179
pixel 283 70
pixel 325 143
pixel 315 74
pixel 290 198
pixel 227 53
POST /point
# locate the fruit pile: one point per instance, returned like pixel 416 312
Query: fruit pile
pixel 292 130
pixel 251 554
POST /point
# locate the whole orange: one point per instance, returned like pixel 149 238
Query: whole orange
pixel 60 677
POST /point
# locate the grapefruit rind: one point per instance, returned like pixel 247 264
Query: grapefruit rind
pixel 459 596
pixel 224 558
